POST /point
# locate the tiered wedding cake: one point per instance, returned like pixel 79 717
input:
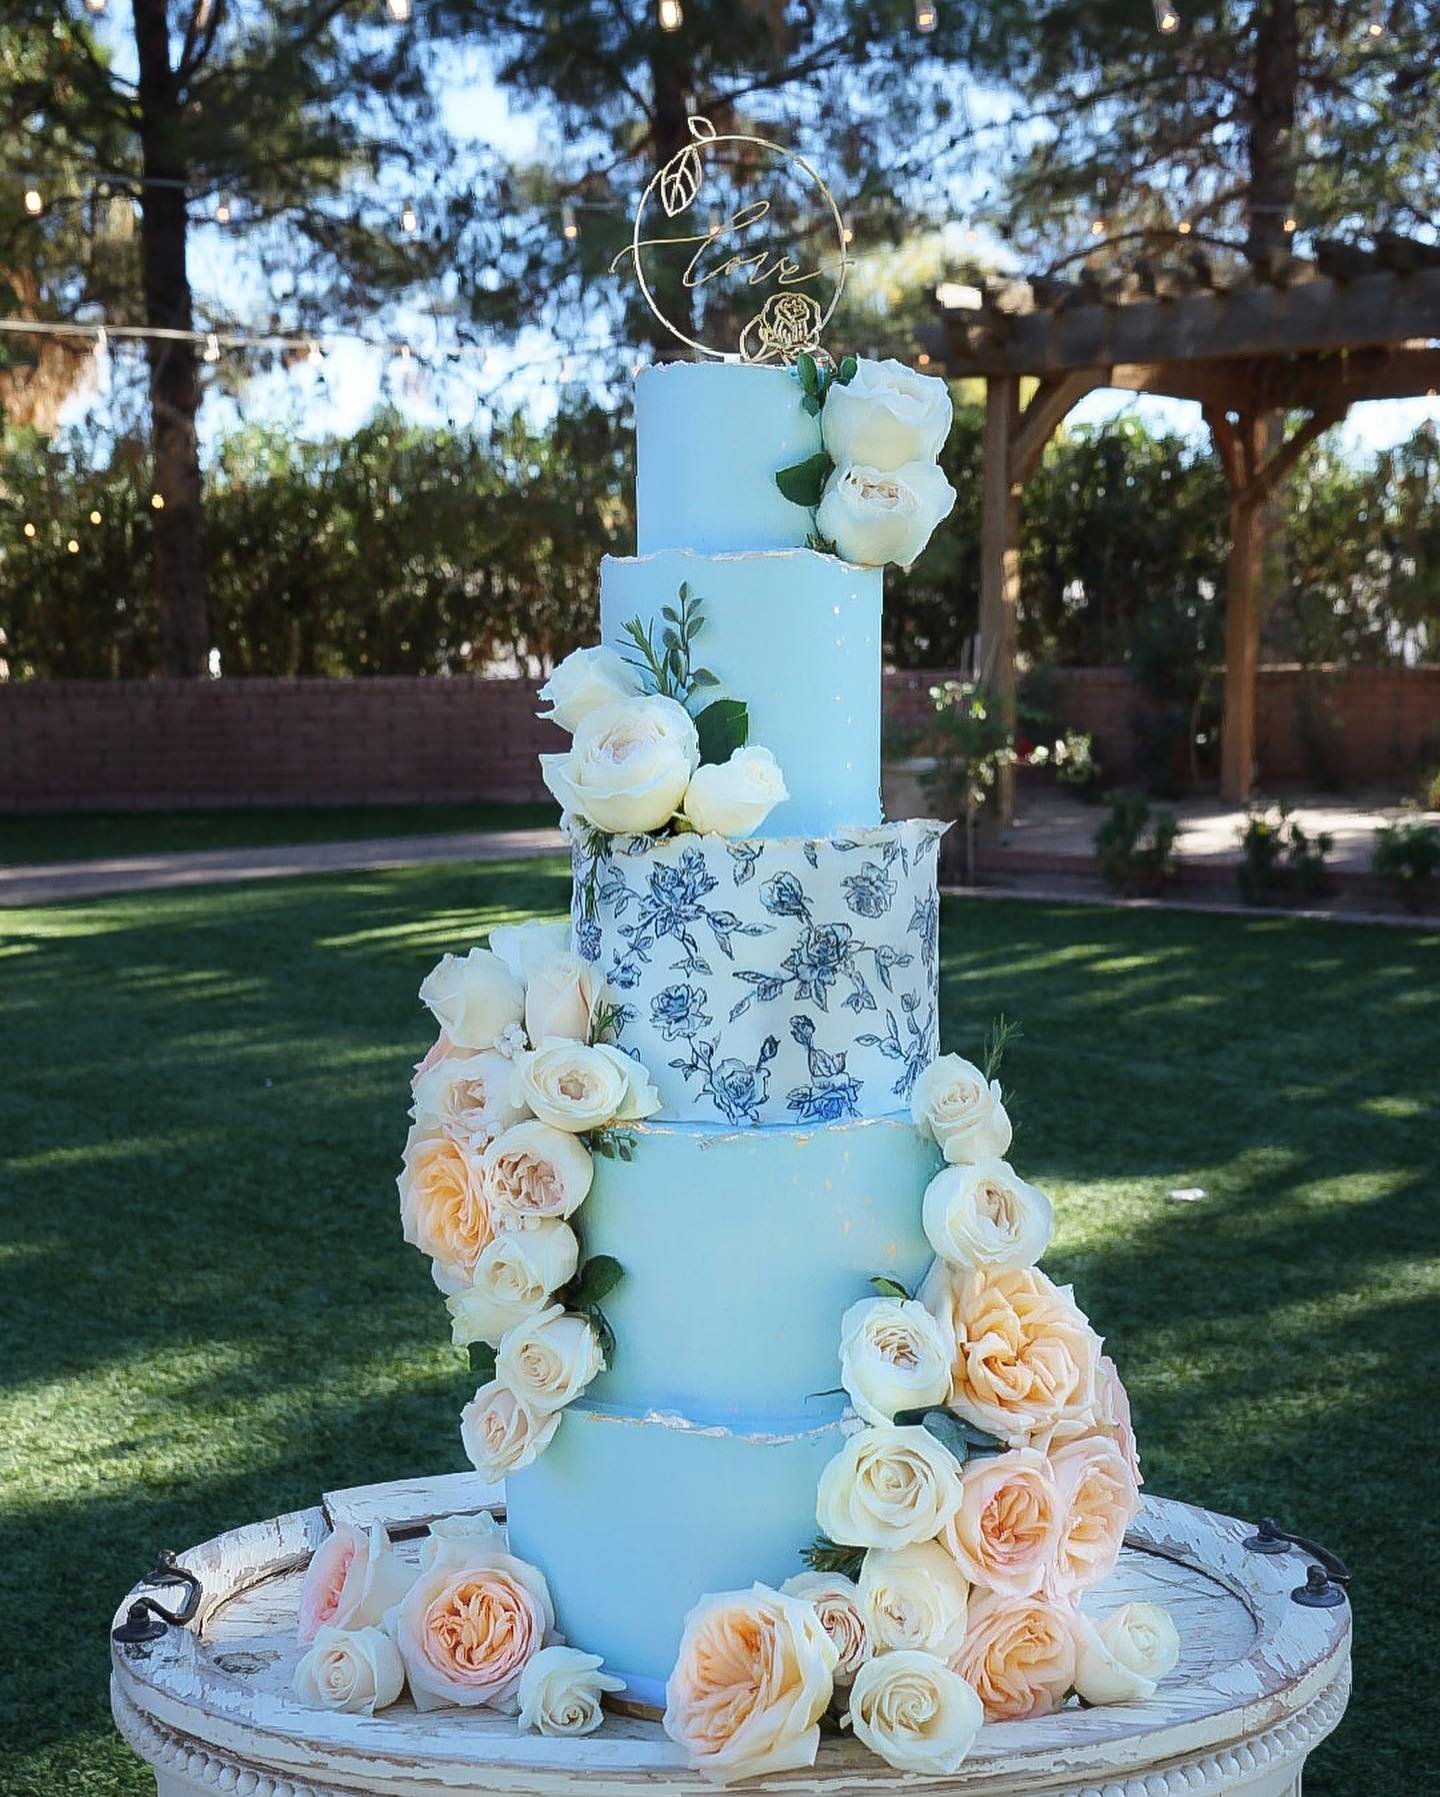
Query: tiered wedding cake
pixel 790 1422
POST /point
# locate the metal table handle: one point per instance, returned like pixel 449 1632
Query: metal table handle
pixel 1327 1583
pixel 147 1618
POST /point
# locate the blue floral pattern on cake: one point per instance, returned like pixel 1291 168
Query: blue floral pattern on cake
pixel 745 968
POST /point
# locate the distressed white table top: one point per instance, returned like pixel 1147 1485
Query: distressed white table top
pixel 1251 1659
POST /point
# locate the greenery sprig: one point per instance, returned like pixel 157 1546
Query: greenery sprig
pixel 668 670
pixel 596 844
pixel 1002 1033
pixel 825 1555
pixel 964 1440
pixel 803 482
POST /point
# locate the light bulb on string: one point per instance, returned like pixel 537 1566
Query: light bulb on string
pixel 30 531
pixel 315 355
pixel 1185 227
pixel 569 224
pixel 717 219
pixel 1375 27
pixel 96 7
pixel 157 502
pixel 847 231
pixel 96 518
pixel 400 11
pixel 409 223
pixel 1167 19
pixel 102 344
pixel 926 17
pixel 222 210
pixel 73 545
pixel 1290 225
pixel 671 15
pixel 212 347
pixel 1097 227
pixel 34 201
pixel 202 14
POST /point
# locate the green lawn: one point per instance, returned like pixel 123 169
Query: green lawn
pixel 78 835
pixel 210 1316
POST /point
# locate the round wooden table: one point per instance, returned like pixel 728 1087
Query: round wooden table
pixel 1262 1679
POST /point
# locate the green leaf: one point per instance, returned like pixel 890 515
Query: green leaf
pixel 889 1288
pixel 802 483
pixel 963 1439
pixel 598 1278
pixel 595 1317
pixel 723 727
pixel 809 373
pixel 811 404
pixel 825 1555
pixel 703 677
pixel 845 373
pixel 482 1361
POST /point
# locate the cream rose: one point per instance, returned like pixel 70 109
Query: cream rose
pixel 914 1712
pixel 513 1280
pixel 836 1602
pixel 526 947
pixel 1112 1406
pixel 982 1215
pixel 874 515
pixel 753 1677
pixel 1098 1499
pixel 466 1095
pixel 584 681
pixel 1025 1357
pixel 548 1361
pixel 575 1088
pixel 888 1487
pixel 535 1173
pixel 955 1103
pixel 563 998
pixel 628 767
pixel 353 1578
pixel 470 1624
pixel 474 1000
pixel 355 1670
pixel 1004 1535
pixel 733 798
pixel 1124 1656
pixel 892 1357
pixel 886 415
pixel 560 1692
pixel 443 1210
pixel 915 1598
pixel 502 1434
pixel 1019 1655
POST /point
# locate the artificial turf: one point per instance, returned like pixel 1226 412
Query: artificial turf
pixel 209 1315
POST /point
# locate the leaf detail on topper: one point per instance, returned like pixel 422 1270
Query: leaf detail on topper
pixel 680 181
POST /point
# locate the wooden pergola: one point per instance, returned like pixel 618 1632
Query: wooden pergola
pixel 1251 344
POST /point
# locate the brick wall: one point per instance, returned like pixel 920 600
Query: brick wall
pixel 98 745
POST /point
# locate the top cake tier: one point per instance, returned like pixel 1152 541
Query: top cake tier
pixel 709 438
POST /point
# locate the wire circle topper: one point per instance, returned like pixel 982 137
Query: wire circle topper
pixel 789 321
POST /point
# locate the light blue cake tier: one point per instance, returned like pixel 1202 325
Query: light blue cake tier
pixel 794 634
pixel 741 1252
pixel 691 1465
pixel 709 437
pixel 789 980
pixel 633 1518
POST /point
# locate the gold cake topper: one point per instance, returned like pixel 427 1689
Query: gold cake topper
pixel 790 320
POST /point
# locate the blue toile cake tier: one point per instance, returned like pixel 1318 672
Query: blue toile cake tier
pixel 781 993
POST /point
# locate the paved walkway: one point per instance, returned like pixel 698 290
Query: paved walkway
pixel 47 883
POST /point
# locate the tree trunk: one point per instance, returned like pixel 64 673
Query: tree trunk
pixel 670 81
pixel 181 578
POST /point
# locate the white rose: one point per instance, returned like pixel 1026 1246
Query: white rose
pixel 560 1692
pixel 734 797
pixel 873 517
pixel 585 680
pixel 885 416
pixel 454 1539
pixel 549 1360
pixel 524 947
pixel 535 1171
pixel 836 1601
pixel 954 1102
pixel 914 1597
pixel 983 1215
pixel 628 766
pixel 514 1278
pixel 351 1670
pixel 475 1000
pixel 465 1095
pixel 1122 1658
pixel 575 1088
pixel 888 1487
pixel 562 999
pixel 501 1433
pixel 892 1357
pixel 913 1711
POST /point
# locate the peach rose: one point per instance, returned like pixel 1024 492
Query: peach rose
pixel 534 1171
pixel 1019 1655
pixel 1098 1497
pixel 443 1207
pixel 502 1434
pixel 465 1094
pixel 353 1578
pixel 470 1624
pixel 836 1602
pixel 1004 1534
pixel 1113 1408
pixel 1025 1358
pixel 436 1052
pixel 753 1678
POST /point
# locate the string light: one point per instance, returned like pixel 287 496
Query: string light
pixel 1291 225
pixel 157 502
pixel 716 221
pixel 73 545
pixel 671 15
pixel 1166 18
pixel 399 10
pixel 926 17
pixel 315 355
pixel 222 210
pixel 202 14
pixel 847 231
pixel 34 201
pixel 96 6
pixel 102 344
pixel 1376 25
pixel 409 224
pixel 30 530
pixel 212 347
pixel 923 359
pixel 95 518
pixel 1185 227
pixel 1097 227
pixel 569 224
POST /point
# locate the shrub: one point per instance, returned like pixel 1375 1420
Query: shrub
pixel 1280 858
pixel 1406 857
pixel 1134 847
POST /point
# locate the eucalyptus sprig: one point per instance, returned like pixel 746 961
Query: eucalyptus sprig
pixel 825 1555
